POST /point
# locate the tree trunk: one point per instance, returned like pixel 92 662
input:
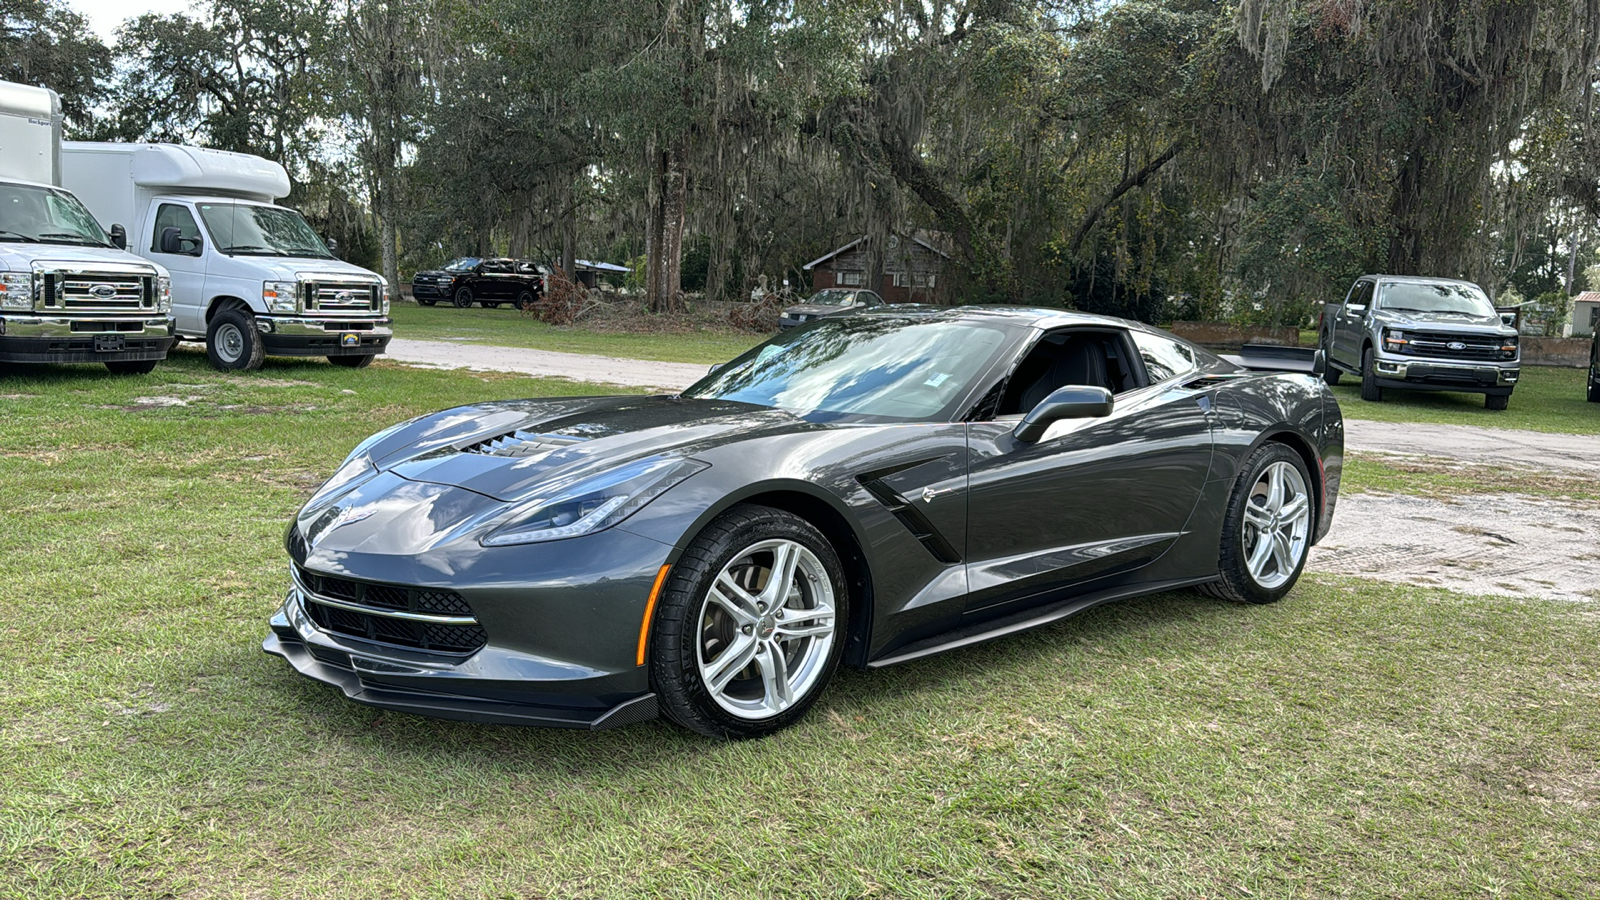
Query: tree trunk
pixel 1405 211
pixel 664 292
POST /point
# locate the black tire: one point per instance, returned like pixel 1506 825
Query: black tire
pixel 1330 372
pixel 352 362
pixel 132 367
pixel 232 342
pixel 1238 583
pixel 1594 387
pixel 1370 391
pixel 526 300
pixel 422 302
pixel 1496 401
pixel 463 298
pixel 678 639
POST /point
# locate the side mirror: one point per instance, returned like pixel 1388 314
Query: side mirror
pixel 173 241
pixel 333 246
pixel 1508 318
pixel 1074 401
pixel 1355 308
pixel 119 237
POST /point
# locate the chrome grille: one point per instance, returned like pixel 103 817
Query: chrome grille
pixel 1445 345
pixel 343 297
pixel 102 288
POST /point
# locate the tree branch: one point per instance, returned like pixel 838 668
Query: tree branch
pixel 1134 180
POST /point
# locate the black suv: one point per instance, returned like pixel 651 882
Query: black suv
pixel 487 282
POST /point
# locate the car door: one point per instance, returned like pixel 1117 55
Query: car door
pixel 1094 497
pixel 1347 325
pixel 188 269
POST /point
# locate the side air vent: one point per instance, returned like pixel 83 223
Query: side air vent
pixel 519 444
pixel 909 516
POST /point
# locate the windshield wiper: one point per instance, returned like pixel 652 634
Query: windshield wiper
pixel 312 252
pixel 74 238
pixel 251 250
pixel 26 237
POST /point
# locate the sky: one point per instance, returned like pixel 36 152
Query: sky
pixel 105 15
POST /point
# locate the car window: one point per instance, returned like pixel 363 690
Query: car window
pixel 1445 297
pixel 1070 356
pixel 171 215
pixel 461 265
pixel 1163 357
pixel 870 367
pixel 1362 295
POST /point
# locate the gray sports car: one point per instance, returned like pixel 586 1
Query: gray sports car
pixel 863 490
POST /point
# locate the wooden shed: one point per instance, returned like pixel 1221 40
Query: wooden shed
pixel 912 268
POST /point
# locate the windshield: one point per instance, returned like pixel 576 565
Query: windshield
pixel 875 366
pixel 42 215
pixel 832 298
pixel 461 265
pixel 1446 297
pixel 246 229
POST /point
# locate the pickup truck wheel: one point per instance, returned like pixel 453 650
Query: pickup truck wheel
pixel 1370 391
pixel 352 362
pixel 232 343
pixel 1266 531
pixel 132 367
pixel 1331 373
pixel 1496 401
pixel 463 298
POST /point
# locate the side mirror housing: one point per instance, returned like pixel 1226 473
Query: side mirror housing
pixel 1074 401
pixel 1509 318
pixel 173 241
pixel 119 237
pixel 1355 308
pixel 333 246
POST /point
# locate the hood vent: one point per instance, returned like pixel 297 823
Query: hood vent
pixel 521 444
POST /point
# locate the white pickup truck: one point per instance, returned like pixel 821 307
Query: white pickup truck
pixel 67 295
pixel 249 277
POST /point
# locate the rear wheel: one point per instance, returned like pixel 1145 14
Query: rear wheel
pixel 1496 401
pixel 525 300
pixel 1594 389
pixel 232 343
pixel 132 367
pixel 1369 378
pixel 463 298
pixel 750 626
pixel 1266 531
pixel 352 362
pixel 1331 373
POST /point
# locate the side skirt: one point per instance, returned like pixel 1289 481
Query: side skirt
pixel 1027 619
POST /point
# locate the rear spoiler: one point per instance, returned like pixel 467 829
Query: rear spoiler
pixel 1276 358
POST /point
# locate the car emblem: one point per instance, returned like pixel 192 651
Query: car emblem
pixel 343 297
pixel 103 291
pixel 1456 345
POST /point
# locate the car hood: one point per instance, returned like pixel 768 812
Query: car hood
pixel 15 257
pixel 1459 322
pixel 288 268
pixel 434 273
pixel 511 449
pixel 813 309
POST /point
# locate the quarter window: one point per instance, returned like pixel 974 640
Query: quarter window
pixel 1163 357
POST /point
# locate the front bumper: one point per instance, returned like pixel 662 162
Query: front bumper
pixel 430 290
pixel 29 338
pixel 324 337
pixel 1445 376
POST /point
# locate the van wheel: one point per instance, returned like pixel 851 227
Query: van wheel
pixel 352 362
pixel 1370 391
pixel 1496 401
pixel 132 367
pixel 232 343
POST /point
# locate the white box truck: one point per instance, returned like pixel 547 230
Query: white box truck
pixel 67 294
pixel 249 277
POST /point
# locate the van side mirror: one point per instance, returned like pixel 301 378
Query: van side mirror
pixel 333 246
pixel 173 241
pixel 1074 401
pixel 119 237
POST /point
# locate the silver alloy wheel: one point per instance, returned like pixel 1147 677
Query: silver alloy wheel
pixel 230 342
pixel 766 628
pixel 1277 524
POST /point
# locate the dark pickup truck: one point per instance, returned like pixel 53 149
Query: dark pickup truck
pixel 1431 334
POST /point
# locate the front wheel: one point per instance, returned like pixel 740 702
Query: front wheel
pixel 1266 530
pixel 232 343
pixel 750 626
pixel 1331 373
pixel 1370 391
pixel 463 298
pixel 426 302
pixel 1496 401
pixel 132 367
pixel 1594 386
pixel 352 362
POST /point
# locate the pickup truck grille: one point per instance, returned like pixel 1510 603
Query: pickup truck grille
pixel 1444 345
pixel 335 297
pixel 70 291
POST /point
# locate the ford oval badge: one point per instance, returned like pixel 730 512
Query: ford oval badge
pixel 1456 345
pixel 343 297
pixel 103 291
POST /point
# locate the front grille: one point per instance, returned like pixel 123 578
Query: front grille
pixel 98 292
pixel 1437 345
pixel 376 620
pixel 344 297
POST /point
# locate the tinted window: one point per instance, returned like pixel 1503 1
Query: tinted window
pixel 1163 357
pixel 171 215
pixel 870 366
pixel 461 265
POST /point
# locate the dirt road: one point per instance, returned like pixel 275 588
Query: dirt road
pixel 547 364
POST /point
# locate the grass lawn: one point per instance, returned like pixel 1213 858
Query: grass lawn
pixel 1354 740
pixel 507 327
pixel 1546 398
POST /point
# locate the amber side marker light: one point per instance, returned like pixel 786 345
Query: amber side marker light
pixel 650 610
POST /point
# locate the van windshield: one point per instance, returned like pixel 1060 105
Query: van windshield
pixel 41 215
pixel 246 229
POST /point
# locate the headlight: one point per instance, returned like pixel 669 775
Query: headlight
pixel 280 296
pixel 388 296
pixel 1394 341
pixel 1508 347
pixel 16 291
pixel 163 294
pixel 592 504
